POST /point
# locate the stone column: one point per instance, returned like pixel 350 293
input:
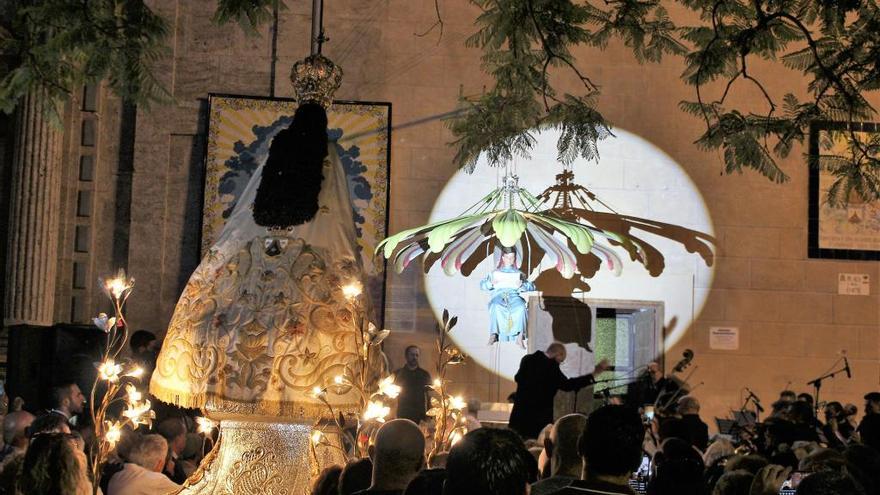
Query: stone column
pixel 35 196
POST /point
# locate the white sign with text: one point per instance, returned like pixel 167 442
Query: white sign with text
pixel 724 338
pixel 853 284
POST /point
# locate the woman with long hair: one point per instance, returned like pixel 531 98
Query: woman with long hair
pixel 54 465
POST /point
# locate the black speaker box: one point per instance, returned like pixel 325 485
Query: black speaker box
pixel 40 358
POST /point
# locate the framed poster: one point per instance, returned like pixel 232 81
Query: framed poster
pixel 240 129
pixel 846 232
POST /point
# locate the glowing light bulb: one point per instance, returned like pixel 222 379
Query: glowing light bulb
pixel 388 388
pixel 376 410
pixel 456 402
pixel 113 433
pixel 133 394
pixel 316 437
pixel 109 370
pixel 139 414
pixel 352 290
pixel 137 372
pixel 206 425
pixel 117 286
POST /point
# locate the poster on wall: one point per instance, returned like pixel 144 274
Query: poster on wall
pixel 850 231
pixel 240 129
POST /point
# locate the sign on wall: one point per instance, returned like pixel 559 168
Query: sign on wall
pixel 724 338
pixel 240 130
pixel 854 284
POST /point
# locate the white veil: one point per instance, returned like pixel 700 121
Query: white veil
pixel 332 227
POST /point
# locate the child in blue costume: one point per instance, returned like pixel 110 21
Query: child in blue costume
pixel 507 308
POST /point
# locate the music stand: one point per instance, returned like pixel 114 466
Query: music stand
pixel 744 418
pixel 726 426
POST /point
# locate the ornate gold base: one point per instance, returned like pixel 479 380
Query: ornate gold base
pixel 260 458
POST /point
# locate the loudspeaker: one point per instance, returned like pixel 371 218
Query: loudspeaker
pixel 42 357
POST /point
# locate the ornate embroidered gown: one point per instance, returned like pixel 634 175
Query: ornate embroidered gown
pixel 262 320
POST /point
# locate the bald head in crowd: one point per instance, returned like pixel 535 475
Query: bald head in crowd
pixel 562 445
pixel 398 455
pixel 556 351
pixel 688 405
pixel 15 426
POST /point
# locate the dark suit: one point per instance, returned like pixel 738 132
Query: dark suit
pixel 869 430
pixel 537 381
pixel 645 391
pixel 697 431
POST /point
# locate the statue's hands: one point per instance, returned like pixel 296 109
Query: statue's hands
pixel 602 366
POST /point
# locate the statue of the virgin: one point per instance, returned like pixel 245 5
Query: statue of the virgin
pixel 508 311
pixel 263 319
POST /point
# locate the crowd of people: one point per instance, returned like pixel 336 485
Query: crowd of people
pixel 616 450
pixel 619 449
pixel 46 453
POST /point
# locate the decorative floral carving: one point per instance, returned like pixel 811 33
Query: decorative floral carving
pixel 256 472
pixel 267 315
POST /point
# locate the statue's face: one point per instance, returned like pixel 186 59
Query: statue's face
pixel 507 259
pixel 274 246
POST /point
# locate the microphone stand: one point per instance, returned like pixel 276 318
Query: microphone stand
pixel 751 398
pixel 817 384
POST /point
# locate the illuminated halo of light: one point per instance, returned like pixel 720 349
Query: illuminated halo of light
pixel 635 178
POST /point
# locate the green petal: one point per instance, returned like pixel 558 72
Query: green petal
pixel 579 235
pixel 509 227
pixel 389 244
pixel 441 235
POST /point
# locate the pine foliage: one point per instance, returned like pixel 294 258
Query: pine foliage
pixel 835 44
pixel 56 46
pixel 59 45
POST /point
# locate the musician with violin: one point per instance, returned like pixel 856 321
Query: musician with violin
pixel 653 388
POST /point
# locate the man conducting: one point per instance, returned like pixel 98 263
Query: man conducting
pixel 537 381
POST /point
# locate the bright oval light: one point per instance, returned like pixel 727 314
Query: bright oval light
pixel 635 178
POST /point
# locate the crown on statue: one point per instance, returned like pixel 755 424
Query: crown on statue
pixel 315 79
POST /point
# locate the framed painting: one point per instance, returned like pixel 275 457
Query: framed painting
pixel 240 129
pixel 850 231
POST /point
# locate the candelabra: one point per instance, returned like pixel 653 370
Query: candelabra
pixel 373 395
pixel 117 375
pixel 447 410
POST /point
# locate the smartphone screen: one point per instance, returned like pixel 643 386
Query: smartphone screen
pixel 789 487
pixel 639 480
pixel 645 468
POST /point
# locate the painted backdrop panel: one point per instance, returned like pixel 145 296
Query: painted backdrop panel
pixel 850 231
pixel 240 130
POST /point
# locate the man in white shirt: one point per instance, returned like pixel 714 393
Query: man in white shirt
pixel 143 474
pixel 68 401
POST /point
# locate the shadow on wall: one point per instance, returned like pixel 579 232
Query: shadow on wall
pixel 191 240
